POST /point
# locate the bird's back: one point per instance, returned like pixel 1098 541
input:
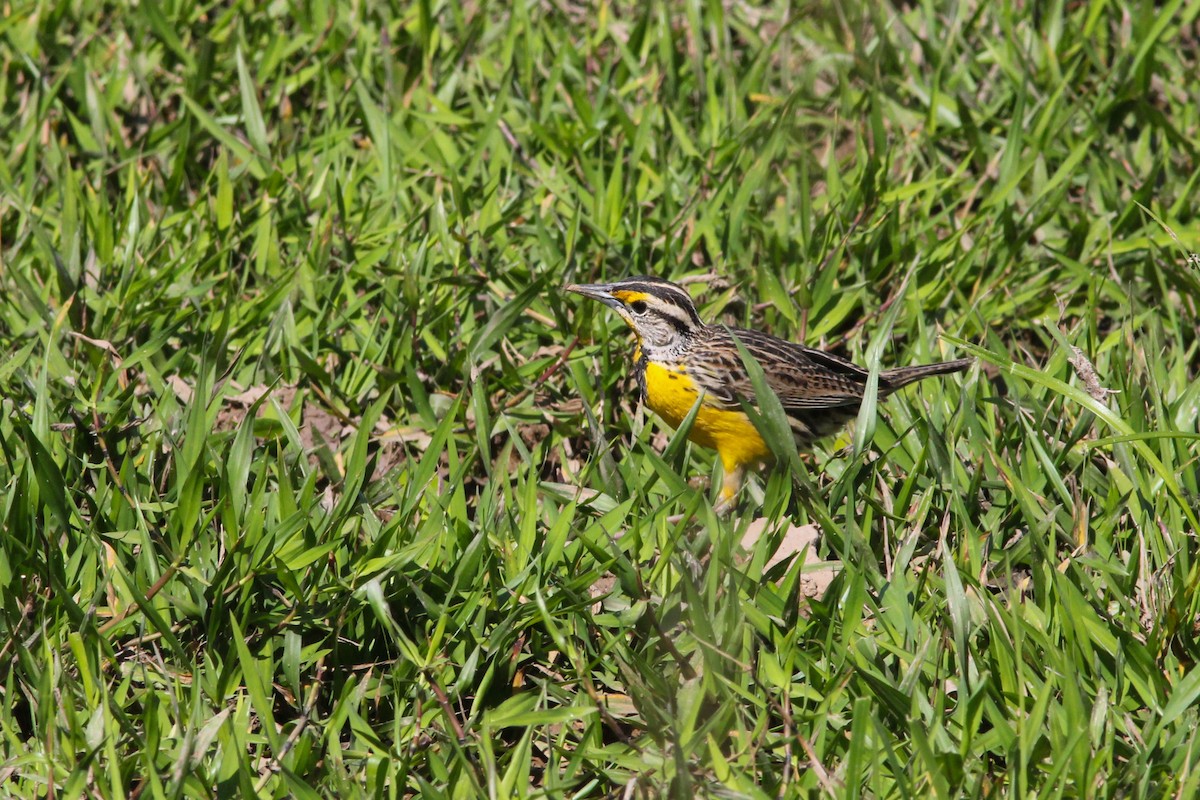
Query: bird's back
pixel 819 391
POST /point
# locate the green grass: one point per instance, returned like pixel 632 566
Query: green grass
pixel 314 484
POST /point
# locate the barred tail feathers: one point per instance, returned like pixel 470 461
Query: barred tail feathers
pixel 902 376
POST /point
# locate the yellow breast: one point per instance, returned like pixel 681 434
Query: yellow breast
pixel 670 393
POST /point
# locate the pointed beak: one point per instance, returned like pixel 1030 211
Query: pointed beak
pixel 596 291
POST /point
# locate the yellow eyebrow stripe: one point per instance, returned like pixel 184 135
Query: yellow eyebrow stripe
pixel 629 296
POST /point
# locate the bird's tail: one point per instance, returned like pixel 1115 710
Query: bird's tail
pixel 895 378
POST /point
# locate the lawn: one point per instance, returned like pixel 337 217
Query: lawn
pixel 316 484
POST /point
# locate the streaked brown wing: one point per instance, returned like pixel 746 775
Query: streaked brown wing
pixel 802 378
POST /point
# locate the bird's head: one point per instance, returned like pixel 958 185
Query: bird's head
pixel 661 313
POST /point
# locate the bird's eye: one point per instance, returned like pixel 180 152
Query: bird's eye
pixel 638 306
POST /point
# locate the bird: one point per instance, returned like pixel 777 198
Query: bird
pixel 678 359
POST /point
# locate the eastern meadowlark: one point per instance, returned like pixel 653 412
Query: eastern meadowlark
pixel 678 358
